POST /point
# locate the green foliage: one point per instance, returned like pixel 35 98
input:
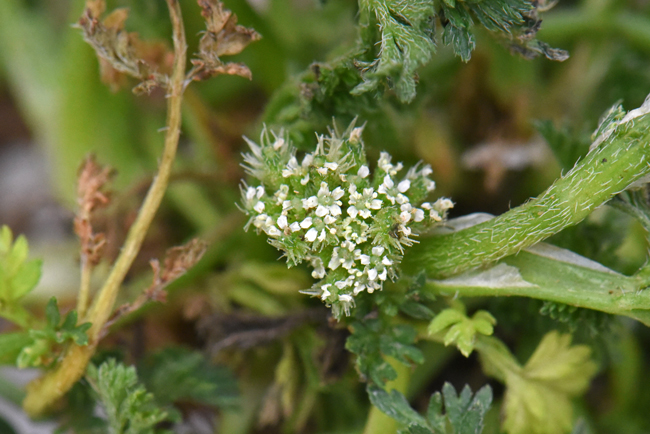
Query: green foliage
pixel 45 343
pixel 129 408
pixel 463 413
pixel 18 275
pixel 372 339
pixel 461 329
pixel 406 43
pixel 407 36
pixel 176 374
pixel 537 399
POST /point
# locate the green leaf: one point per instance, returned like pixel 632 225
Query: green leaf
pixel 129 408
pixel 372 339
pixel 406 44
pixel 461 329
pixel 178 374
pixel 464 413
pixel 18 276
pixel 11 344
pixel 537 398
pixel 395 405
pixel 45 344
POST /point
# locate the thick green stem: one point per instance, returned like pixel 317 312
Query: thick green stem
pixel 43 392
pixel 607 170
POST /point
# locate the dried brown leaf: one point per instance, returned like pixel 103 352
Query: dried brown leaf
pixel 223 37
pixel 122 53
pixel 91 195
pixel 177 261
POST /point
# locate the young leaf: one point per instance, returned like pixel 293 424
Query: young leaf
pixel 537 398
pixel 18 276
pixel 129 408
pixel 461 329
pixel 44 344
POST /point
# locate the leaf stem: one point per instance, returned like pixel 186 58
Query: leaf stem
pixel 43 392
pixel 608 169
pixel 84 289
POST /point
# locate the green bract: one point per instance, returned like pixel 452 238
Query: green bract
pixel 329 210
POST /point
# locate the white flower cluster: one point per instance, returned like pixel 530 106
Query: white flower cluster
pixel 328 210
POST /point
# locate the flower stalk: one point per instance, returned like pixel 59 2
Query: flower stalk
pixel 44 392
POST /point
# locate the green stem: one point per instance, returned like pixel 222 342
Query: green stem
pixel 607 170
pixel 43 392
pixel 378 422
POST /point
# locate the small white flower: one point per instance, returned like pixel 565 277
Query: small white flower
pixel 331 166
pixel 319 270
pixel 377 250
pixel 355 135
pixel 282 221
pixel 329 220
pixel 403 186
pixel 405 216
pixel 291 169
pixel 310 202
pixel 418 215
pixel 426 171
pixel 353 211
pixel 382 276
pixel 295 227
pixel 345 298
pixel 322 235
pixel 250 193
pixel 306 223
pixel 364 259
pixel 387 262
pixel 311 235
pixel 272 231
pixel 259 207
pixel 306 162
pixel 259 192
pixel 322 170
pixel 326 292
pixel 372 274
pixel 279 143
pixel 363 171
pixel 305 180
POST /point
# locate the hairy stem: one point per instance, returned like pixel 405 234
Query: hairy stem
pixel 43 392
pixel 608 169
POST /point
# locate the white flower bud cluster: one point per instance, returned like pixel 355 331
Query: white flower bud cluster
pixel 330 211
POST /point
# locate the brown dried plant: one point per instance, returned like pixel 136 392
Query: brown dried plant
pixel 223 37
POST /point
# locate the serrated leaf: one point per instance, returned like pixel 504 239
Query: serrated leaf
pixel 406 44
pixel 462 330
pixel 395 405
pixel 537 398
pixel 129 408
pixel 372 339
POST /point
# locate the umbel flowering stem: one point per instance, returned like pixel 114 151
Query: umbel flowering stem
pixel 619 158
pixel 43 392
